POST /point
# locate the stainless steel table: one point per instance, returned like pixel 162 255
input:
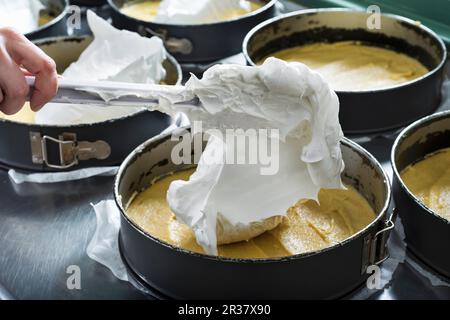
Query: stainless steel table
pixel 44 229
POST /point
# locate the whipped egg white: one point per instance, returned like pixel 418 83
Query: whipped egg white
pixel 277 95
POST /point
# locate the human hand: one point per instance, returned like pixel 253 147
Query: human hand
pixel 18 58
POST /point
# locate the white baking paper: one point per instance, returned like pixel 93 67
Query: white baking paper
pixel 114 55
pixel 104 246
pixel 54 177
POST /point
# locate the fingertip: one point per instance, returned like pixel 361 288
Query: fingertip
pixel 37 102
pixel 12 106
pixel 46 87
pixel 35 107
pixel 49 66
pixel 14 93
pixel 8 111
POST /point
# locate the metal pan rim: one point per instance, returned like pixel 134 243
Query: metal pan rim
pixel 53 21
pixel 79 125
pixel 404 134
pixel 129 159
pixel 440 65
pixel 210 24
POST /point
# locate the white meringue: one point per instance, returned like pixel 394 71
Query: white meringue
pixel 22 15
pixel 285 96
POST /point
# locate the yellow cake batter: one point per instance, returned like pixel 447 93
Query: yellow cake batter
pixel 147 10
pixel 429 180
pixel 45 18
pixel 25 115
pixel 352 66
pixel 307 227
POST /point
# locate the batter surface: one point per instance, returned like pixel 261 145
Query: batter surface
pixel 429 180
pixel 351 66
pixel 45 18
pixel 307 226
pixel 147 10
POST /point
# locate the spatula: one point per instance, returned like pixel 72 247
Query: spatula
pixel 108 93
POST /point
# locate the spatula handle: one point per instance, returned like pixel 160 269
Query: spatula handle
pixel 112 93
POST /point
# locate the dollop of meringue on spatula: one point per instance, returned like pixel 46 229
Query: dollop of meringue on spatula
pixel 226 203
